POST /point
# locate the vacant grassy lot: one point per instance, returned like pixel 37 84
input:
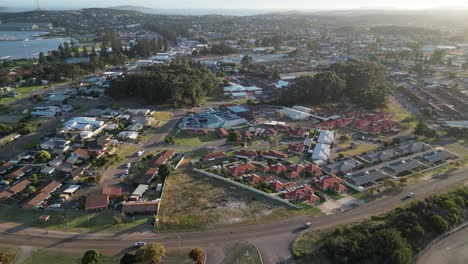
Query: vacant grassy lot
pixel 183 139
pixel 194 202
pixel 23 93
pixel 243 253
pixel 397 109
pixel 360 148
pixel 178 256
pixel 163 116
pixel 77 221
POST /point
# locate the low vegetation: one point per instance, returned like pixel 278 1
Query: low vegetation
pixel 244 253
pixel 394 237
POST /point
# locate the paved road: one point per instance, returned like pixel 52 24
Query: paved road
pixel 452 249
pixel 273 239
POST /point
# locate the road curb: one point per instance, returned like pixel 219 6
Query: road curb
pixel 258 250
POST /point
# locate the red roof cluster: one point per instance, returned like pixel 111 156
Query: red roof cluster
pixel 303 193
pixel 276 185
pixel 331 182
pixel 246 153
pixel 296 148
pixel 163 157
pixel 240 169
pixel 214 156
pixel 221 132
pixel 275 154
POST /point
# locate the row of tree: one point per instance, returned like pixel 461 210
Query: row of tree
pixel 178 83
pixel 394 237
pixel 364 82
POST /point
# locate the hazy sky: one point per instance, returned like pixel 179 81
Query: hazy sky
pixel 244 4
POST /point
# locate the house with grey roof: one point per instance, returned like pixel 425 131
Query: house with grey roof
pixel 380 156
pixel 342 167
pixel 366 177
pixel 437 156
pixel 405 166
pixel 412 147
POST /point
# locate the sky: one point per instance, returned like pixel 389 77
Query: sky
pixel 244 4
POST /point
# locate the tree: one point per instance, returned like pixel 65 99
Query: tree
pixel 234 136
pixel 152 252
pixel 396 140
pixel 197 254
pixel 438 224
pixel 30 190
pixel 42 156
pixel 128 258
pixel 246 61
pixel 164 170
pixel 91 257
pixel 42 58
pixel 6 258
pixel 388 243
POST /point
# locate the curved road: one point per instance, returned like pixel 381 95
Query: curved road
pixel 452 249
pixel 273 239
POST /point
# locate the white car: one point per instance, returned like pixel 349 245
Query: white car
pixel 139 153
pixel 55 206
pixel 139 244
pixel 409 195
pixel 306 225
pixel 129 165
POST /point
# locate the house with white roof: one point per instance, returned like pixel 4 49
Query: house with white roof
pixel 326 137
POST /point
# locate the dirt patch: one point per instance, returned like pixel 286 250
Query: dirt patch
pixel 190 201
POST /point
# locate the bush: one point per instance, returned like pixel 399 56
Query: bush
pixel 198 255
pixel 91 257
pixel 438 224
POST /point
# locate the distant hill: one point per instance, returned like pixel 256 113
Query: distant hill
pixel 135 8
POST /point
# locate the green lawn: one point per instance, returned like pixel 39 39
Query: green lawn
pixel 23 93
pixel 183 139
pixel 333 195
pixel 163 116
pixel 77 220
pixel 178 256
pixel 47 257
pixel 30 145
pixel 398 110
pixel 243 253
pixel 361 148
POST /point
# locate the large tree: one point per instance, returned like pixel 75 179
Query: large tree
pixel 152 252
pixel 91 257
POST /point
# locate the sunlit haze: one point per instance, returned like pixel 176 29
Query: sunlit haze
pixel 246 4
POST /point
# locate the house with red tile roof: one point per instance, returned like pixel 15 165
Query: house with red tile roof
pixel 276 185
pixel 214 156
pixel 222 133
pixel 112 192
pixel 330 182
pixel 293 175
pixel 96 202
pixel 17 188
pixel 298 132
pixel 362 123
pixel 43 194
pixel 163 157
pixel 147 177
pixel 18 173
pixel 296 148
pixel 297 168
pixel 269 178
pixel 253 178
pixel 246 154
pixel 303 193
pixel 197 131
pixel 313 170
pixel 239 169
pixel 283 127
pixel 246 134
pixel 271 132
pixel 278 169
pixel 5 167
pixel 275 154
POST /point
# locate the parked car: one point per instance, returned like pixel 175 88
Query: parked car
pixel 306 225
pixel 55 206
pixel 139 153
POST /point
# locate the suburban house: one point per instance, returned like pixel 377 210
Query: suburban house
pixel 197 131
pixel 221 132
pixel 43 194
pixel 321 153
pixel 96 202
pixel 275 154
pixel 239 169
pixel 276 185
pixel 313 170
pixel 137 194
pixel 112 192
pixel 79 154
pixel 366 177
pixel 128 135
pixel 326 137
pixel 6 167
pixel 437 156
pixel 296 148
pixel 163 157
pixel 20 172
pixel 56 145
pixel 214 156
pixel 277 169
pixel 147 177
pixel 298 133
pixel 330 182
pixel 342 167
pixel 246 154
pixel 140 208
pixel 17 188
pixel 303 193
pixel 405 166
pixel 412 147
pixel 297 168
pixel 252 178
pixel 380 156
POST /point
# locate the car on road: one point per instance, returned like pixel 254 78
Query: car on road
pixel 139 244
pixel 128 166
pixel 55 206
pixel 409 195
pixel 139 153
pixel 306 225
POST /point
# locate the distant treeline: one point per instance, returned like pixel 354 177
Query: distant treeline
pixel 365 83
pixel 177 83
